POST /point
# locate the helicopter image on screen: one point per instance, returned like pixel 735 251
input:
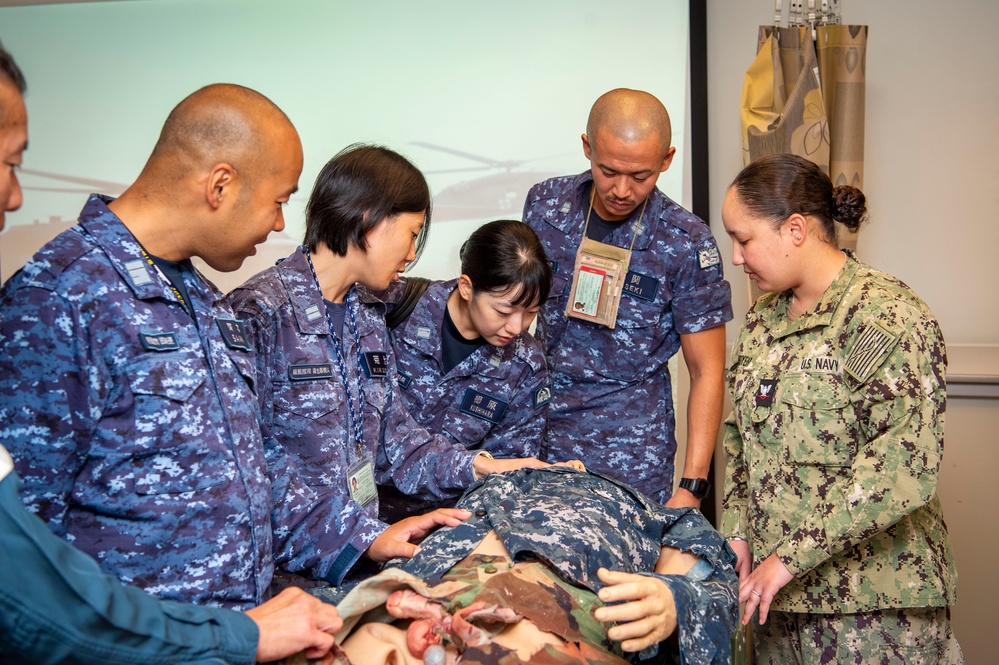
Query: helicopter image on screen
pixel 497 195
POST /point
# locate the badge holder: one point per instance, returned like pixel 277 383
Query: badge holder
pixel 361 481
pixel 598 277
pixel 597 282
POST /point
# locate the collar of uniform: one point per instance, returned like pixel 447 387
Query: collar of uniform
pixel 122 250
pixel 304 296
pixel 573 222
pixel 429 313
pixel 6 463
pixel 822 312
pixel 368 297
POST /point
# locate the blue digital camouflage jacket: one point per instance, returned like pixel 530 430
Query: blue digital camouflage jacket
pixel 135 426
pixel 612 405
pixel 577 522
pixel 495 400
pixel 305 407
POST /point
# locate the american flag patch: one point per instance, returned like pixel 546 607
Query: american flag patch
pixel 869 351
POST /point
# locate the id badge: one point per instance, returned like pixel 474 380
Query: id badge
pixel 597 282
pixel 361 482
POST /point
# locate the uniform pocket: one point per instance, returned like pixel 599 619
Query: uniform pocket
pixel 312 399
pixel 815 430
pixel 174 376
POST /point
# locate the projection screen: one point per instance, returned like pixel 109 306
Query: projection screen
pixel 486 98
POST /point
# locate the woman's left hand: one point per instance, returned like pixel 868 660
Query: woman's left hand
pixel 759 588
pixel 648 615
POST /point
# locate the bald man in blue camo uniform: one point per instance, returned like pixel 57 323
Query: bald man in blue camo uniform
pixel 55 604
pixel 127 387
pixel 612 405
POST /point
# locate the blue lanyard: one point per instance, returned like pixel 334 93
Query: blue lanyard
pixel 353 411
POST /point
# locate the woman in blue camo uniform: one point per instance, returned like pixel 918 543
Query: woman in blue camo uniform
pixel 835 441
pixel 332 400
pixel 468 368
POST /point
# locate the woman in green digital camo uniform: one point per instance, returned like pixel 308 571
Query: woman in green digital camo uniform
pixel 836 436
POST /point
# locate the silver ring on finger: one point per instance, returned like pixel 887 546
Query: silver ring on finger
pixel 757 593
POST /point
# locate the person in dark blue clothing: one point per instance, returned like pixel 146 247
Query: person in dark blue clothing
pixel 468 367
pixel 56 606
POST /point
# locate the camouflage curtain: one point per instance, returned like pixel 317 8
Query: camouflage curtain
pixel 805 96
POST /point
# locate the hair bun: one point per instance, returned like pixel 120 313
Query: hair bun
pixel 849 206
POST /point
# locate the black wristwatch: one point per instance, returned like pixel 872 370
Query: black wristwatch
pixel 699 487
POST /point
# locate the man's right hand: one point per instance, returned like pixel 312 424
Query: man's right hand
pixel 293 621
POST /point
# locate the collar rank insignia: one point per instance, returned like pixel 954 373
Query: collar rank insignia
pixel 312 312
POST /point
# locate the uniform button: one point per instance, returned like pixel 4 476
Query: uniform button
pixel 489 570
pixel 480 512
pixel 486 558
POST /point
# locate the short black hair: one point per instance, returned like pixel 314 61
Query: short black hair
pixel 9 71
pixel 508 254
pixel 356 190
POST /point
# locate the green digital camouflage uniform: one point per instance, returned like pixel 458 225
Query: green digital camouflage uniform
pixel 834 445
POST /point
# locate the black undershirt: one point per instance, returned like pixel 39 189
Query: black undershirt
pixel 599 229
pixel 172 271
pixel 454 347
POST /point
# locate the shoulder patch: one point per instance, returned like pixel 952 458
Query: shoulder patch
pixel 542 395
pixel 707 258
pixel 869 351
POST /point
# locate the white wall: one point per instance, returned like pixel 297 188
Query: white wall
pixel 932 146
pixel 932 181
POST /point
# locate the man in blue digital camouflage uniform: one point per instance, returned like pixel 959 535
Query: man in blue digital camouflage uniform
pixel 612 405
pixel 56 605
pixel 127 389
